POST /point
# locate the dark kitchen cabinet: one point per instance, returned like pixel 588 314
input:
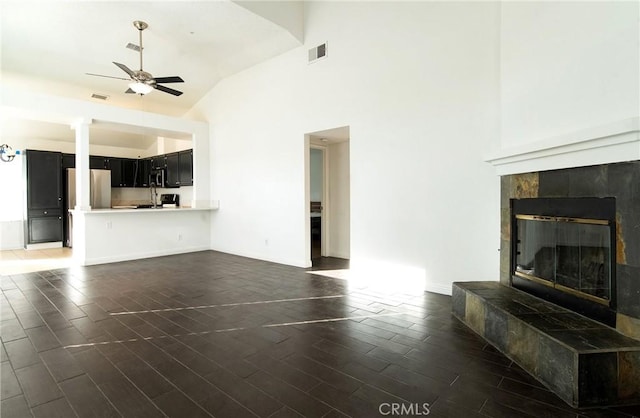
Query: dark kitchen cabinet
pixel 179 169
pixel 185 166
pixel 123 171
pixel 68 161
pixel 173 170
pixel 115 165
pixel 143 171
pixel 130 172
pixel 45 229
pixel 43 170
pixel 97 162
pixel 129 168
pixel 158 162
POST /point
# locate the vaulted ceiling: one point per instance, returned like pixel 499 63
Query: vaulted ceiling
pixel 49 46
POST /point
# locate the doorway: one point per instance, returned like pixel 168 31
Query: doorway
pixel 317 185
pixel 328 195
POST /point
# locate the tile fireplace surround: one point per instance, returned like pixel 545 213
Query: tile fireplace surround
pixel 618 180
pixel 583 361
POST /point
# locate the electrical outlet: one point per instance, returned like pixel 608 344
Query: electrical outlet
pixel 109 225
pixel 266 242
pixel 179 237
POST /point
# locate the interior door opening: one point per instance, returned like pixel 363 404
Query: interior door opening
pixel 317 184
pixel 327 195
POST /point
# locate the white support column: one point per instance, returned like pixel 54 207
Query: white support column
pixel 83 185
pixel 201 170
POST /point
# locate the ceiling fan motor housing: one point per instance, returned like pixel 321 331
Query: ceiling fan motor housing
pixel 143 77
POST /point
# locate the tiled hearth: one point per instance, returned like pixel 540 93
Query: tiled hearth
pixel 583 361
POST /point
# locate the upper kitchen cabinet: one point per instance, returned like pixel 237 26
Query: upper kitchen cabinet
pixel 143 171
pixel 97 162
pixel 123 171
pixel 44 197
pixel 180 169
pixel 185 165
pixel 158 162
pixel 173 170
pixel 68 161
pixel 129 172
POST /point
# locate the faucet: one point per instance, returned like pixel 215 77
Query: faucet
pixel 154 194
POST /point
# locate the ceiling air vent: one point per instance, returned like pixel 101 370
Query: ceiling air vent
pixel 318 52
pixel 99 96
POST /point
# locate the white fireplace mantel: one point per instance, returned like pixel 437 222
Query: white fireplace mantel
pixel 614 142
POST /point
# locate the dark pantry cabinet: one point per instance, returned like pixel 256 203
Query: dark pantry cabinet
pixel 44 197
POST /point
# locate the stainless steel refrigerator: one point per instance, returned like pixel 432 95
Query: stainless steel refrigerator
pixel 100 194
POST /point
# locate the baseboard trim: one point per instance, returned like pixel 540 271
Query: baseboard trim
pixel 139 256
pixel 44 245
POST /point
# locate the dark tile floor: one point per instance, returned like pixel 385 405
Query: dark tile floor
pixel 211 334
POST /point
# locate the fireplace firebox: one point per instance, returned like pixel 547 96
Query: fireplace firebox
pixel 563 250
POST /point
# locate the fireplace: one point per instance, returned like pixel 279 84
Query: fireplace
pixel 563 250
pixel 571 237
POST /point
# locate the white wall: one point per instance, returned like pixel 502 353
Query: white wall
pixel 418 85
pixel 12 204
pixel 567 66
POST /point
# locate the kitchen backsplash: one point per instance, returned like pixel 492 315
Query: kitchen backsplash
pixel 123 196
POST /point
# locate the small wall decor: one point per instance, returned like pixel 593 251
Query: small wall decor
pixel 7 154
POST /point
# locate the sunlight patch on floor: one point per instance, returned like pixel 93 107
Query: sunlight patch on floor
pixel 388 278
pixel 28 261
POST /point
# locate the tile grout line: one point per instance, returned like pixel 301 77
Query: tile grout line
pixel 228 305
pixel 282 324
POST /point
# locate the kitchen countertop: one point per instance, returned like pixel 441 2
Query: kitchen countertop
pixel 133 209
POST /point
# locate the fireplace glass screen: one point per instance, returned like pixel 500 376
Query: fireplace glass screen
pixel 571 255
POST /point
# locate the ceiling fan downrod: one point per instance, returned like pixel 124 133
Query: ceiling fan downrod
pixel 140 25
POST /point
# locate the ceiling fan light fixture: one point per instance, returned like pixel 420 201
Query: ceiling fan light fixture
pixel 140 88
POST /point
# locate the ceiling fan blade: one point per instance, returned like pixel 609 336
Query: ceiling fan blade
pixel 167 90
pixel 174 79
pixel 108 76
pixel 125 69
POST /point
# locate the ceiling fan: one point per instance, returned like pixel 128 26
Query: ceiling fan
pixel 143 82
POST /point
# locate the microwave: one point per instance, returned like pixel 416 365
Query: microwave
pixel 157 177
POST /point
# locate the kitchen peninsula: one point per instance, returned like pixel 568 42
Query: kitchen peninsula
pixel 112 235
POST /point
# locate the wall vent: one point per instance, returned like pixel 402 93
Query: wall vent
pixel 318 52
pixel 99 96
